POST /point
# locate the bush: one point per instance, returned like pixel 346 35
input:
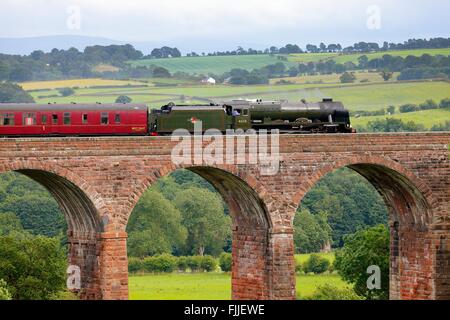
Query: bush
pixel 298 267
pixel 208 263
pixel 408 108
pixel 445 103
pixel 194 263
pixel 135 264
pixel 316 264
pixel 123 99
pixel 428 105
pixel 160 263
pixel 4 293
pixel 330 292
pixel 225 261
pixel 347 77
pixel 182 263
pixel 65 92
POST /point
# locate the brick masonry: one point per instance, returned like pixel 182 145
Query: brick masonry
pixel 98 181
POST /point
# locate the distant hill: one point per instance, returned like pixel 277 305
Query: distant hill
pixel 47 43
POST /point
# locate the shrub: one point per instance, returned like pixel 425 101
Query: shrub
pixel 208 263
pixel 330 292
pixel 123 99
pixel 347 77
pixel 160 263
pixel 428 105
pixel 135 264
pixel 316 264
pixel 4 293
pixel 298 267
pixel 194 263
pixel 225 261
pixel 445 103
pixel 408 108
pixel 182 263
pixel 65 92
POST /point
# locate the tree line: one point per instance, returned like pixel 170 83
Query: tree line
pixel 362 46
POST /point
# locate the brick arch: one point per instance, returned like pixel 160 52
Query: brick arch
pixel 355 162
pixel 410 203
pixel 242 176
pixel 58 180
pixel 82 207
pixel 251 223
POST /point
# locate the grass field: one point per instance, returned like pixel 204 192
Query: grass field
pixel 221 64
pixel 427 118
pixel 212 64
pixel 399 53
pixel 209 286
pixel 82 83
pixel 353 57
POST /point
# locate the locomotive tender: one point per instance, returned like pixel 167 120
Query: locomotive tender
pixel 25 119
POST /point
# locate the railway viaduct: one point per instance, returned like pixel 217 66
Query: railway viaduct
pixel 97 182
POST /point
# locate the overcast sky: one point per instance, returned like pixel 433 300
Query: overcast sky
pixel 254 23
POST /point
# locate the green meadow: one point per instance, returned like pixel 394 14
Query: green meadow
pixel 221 64
pixel 209 286
pixel 427 118
pixel 212 64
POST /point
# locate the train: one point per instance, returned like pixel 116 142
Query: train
pixel 28 119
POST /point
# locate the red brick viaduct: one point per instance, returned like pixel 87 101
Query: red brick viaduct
pixel 98 181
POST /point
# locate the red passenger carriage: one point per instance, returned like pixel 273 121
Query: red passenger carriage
pixel 29 119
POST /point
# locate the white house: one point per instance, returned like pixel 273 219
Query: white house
pixel 209 80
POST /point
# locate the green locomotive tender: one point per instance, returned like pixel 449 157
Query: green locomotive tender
pixel 326 116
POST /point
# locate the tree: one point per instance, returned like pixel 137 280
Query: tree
pixel 155 226
pixel 391 110
pixel 38 214
pixel 347 77
pixel 123 99
pixel 9 223
pixel 10 92
pixel 386 75
pixel 225 261
pixel 316 264
pixel 203 216
pixel 65 92
pixel 311 232
pixel 445 103
pixel 4 293
pixel 34 267
pixel 408 108
pixel 160 72
pixel 363 249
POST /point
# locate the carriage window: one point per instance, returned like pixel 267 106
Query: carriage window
pixel 245 112
pixel 7 119
pixel 44 119
pixel 54 119
pixel 29 118
pixel 84 119
pixel 66 119
pixel 104 118
pixel 117 118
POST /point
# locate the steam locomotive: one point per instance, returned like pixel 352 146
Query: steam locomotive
pixel 26 119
